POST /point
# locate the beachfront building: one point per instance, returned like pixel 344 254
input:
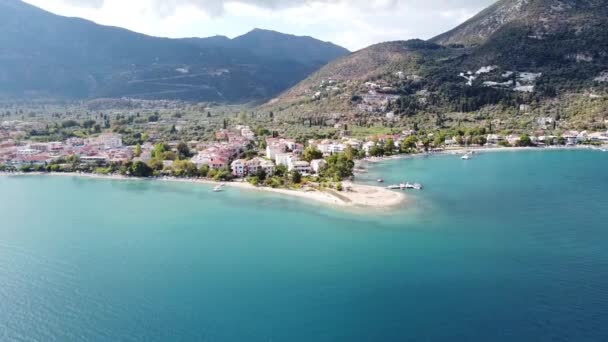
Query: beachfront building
pixel 201 159
pixel 276 146
pixel 301 166
pixel 368 146
pixel 599 137
pixel 547 140
pixel 242 168
pixel 284 159
pixel 330 147
pixel 97 159
pixel 571 137
pixel 450 141
pixel 493 139
pixel 513 139
pixel 239 167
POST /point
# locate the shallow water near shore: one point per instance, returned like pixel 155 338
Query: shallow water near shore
pixel 506 246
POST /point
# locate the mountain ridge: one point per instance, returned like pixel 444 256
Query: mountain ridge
pixel 46 55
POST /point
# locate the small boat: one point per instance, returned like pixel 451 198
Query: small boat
pixel 380 180
pixel 219 188
pixel 466 157
pixel 415 186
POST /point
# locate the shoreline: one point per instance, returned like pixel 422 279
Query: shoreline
pixel 359 196
pixel 479 149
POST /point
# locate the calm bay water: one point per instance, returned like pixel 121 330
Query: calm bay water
pixel 504 247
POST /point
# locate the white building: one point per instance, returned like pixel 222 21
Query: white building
pixel 107 141
pixel 201 159
pixel 368 146
pixel 450 141
pixel 493 139
pixel 513 139
pixel 247 133
pixel 273 150
pixel 331 148
pixel 239 167
pixel 242 168
pixel 27 151
pixel 301 166
pixel 284 159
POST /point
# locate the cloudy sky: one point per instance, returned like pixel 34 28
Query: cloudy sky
pixel 353 24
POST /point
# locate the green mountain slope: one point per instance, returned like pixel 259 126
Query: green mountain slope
pixel 542 54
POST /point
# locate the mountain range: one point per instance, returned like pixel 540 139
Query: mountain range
pixel 45 56
pixel 516 52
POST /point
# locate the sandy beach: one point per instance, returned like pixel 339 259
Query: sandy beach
pixel 356 195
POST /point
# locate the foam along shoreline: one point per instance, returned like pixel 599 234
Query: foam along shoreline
pixel 357 195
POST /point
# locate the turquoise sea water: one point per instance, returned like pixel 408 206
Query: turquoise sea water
pixel 504 247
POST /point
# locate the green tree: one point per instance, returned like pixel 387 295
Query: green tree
pixel 140 169
pixel 261 175
pixel 138 151
pixel 350 152
pixel 389 146
pixel 159 150
pixel 204 171
pixel 156 164
pixel 339 167
pixel 409 144
pixel 376 151
pixel 183 150
pixel 296 177
pixel 311 153
pixel 280 171
pixel 184 168
pixel 525 141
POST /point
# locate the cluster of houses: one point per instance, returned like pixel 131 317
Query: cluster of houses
pixel 226 152
pixel 229 144
pixel 570 138
pixel 104 148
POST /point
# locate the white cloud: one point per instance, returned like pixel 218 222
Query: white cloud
pixel 351 23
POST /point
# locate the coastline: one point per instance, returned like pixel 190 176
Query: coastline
pixel 359 195
pixel 477 149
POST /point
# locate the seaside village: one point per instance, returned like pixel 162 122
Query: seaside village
pixel 227 151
